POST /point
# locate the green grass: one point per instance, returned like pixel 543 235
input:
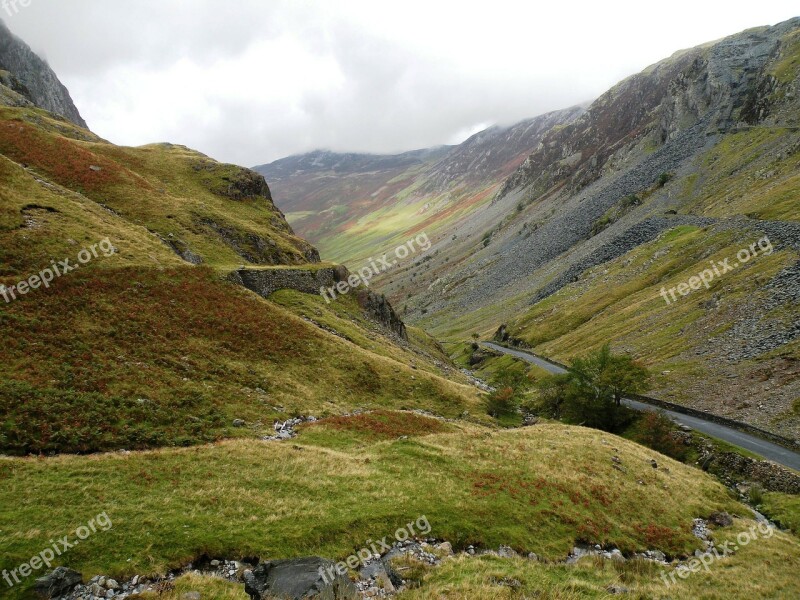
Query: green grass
pixel 787 67
pixel 171 190
pixel 494 578
pixel 538 489
pixel 783 509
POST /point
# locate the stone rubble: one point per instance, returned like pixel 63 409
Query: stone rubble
pixel 378 576
pixel 285 430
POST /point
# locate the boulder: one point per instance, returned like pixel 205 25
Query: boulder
pixel 299 579
pixel 58 583
pixel 721 519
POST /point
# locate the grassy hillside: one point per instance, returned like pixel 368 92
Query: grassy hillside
pixel 137 348
pixel 222 214
pixel 688 343
pixel 539 489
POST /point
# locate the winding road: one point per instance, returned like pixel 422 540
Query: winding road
pixel 770 451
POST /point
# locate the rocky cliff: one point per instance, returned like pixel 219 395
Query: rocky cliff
pixel 34 79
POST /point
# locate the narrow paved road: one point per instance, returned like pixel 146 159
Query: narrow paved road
pixel 768 450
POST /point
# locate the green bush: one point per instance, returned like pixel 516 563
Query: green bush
pixel 502 403
pixel 655 430
pixel 591 391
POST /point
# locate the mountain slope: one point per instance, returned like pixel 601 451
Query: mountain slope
pixel 351 205
pixel 710 134
pixel 705 139
pixel 34 79
pixel 142 346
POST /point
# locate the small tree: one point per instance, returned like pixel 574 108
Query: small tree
pixel 591 391
pixel 502 403
pixel 511 383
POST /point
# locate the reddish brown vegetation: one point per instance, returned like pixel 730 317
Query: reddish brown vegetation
pixel 64 160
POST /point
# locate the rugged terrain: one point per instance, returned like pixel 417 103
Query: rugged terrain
pixel 184 380
pixel 352 206
pixel 691 160
pixel 24 73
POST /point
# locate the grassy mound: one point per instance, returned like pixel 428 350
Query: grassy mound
pixel 539 489
pixel 221 213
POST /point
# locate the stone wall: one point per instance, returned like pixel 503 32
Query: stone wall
pixel 309 281
pixel 265 282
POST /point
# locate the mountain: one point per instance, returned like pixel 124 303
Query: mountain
pixel 133 294
pixel 680 164
pixel 27 74
pixel 339 200
pixel 172 376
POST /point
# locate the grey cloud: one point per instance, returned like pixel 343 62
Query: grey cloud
pixel 387 92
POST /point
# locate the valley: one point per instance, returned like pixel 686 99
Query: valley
pixel 413 375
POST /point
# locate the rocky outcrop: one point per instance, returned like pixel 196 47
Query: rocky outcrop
pixel 265 282
pixel 257 249
pixel 58 583
pixel 36 81
pixel 378 307
pixel 310 578
pixel 501 336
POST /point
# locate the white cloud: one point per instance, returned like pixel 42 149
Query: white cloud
pixel 249 81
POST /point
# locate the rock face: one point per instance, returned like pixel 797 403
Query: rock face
pixel 265 282
pixel 36 81
pixel 58 583
pixel 378 307
pixel 310 578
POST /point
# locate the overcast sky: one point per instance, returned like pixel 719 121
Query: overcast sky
pixel 250 81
